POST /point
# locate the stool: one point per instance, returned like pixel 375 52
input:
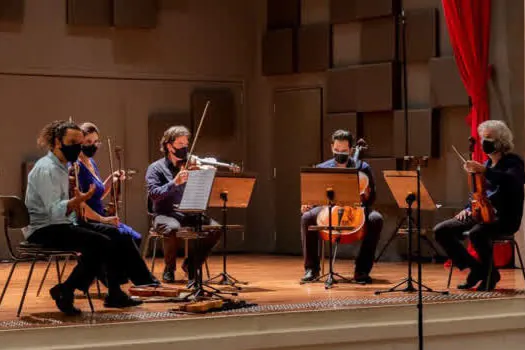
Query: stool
pixel 504 239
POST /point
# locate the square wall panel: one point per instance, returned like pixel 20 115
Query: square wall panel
pixel 421 32
pixel 418 75
pixel 377 87
pixel 283 14
pixel 135 13
pixel 378 132
pixel 315 11
pixel 314 48
pixel 89 12
pixel 378 40
pixel 346 44
pixel 344 11
pixel 12 10
pixel 446 86
pixel 341 87
pixel 423 133
pixel 278 52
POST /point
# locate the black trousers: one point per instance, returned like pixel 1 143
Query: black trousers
pixel 99 250
pixel 168 225
pixel 365 259
pixel 130 265
pixel 449 235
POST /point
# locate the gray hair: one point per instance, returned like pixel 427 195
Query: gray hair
pixel 501 131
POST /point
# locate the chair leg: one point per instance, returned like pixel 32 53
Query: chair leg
pixel 64 267
pixel 207 268
pixel 322 256
pixel 155 239
pixel 8 281
pixel 450 275
pixel 88 295
pixel 491 262
pixel 26 287
pixel 59 276
pixel 44 276
pixel 522 268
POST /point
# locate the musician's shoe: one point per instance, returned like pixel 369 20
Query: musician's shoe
pixel 492 283
pixel 473 279
pixel 362 278
pixel 168 276
pixel 120 300
pixel 64 298
pixel 310 275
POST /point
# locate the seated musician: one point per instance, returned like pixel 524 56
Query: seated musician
pixel 166 179
pixel 53 222
pixel 504 174
pixel 88 174
pixel 342 142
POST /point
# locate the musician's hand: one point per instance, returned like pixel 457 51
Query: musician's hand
pixel 472 166
pixel 181 177
pixel 119 175
pixel 82 197
pixel 111 220
pixel 305 208
pixel 463 215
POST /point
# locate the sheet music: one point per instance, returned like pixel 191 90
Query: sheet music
pixel 198 188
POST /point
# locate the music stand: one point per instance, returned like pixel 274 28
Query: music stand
pixel 195 200
pixel 404 186
pixel 332 186
pixel 230 190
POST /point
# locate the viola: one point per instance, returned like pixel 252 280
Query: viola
pixel 348 216
pixel 482 209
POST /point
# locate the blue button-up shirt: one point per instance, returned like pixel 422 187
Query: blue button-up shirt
pixel 47 194
pixel 162 191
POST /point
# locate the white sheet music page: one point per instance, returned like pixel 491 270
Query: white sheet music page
pixel 198 189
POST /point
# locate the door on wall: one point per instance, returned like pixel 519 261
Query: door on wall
pixel 297 143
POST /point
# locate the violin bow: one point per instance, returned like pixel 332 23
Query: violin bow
pixel 198 130
pixel 459 154
pixel 113 189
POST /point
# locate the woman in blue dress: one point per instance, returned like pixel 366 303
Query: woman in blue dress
pixel 89 174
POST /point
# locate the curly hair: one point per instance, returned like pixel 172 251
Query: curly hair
pixel 50 132
pixel 502 134
pixel 171 134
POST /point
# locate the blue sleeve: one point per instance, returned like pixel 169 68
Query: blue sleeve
pixel 48 187
pixel 157 189
pixel 365 168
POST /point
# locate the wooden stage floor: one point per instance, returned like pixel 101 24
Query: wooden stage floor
pixel 273 286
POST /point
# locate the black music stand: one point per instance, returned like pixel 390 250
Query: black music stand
pixel 195 200
pixel 229 190
pixel 405 185
pixel 337 186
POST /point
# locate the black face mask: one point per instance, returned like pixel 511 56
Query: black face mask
pixel 181 153
pixel 89 150
pixel 341 158
pixel 489 146
pixel 71 152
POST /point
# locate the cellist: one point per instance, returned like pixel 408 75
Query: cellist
pixel 504 176
pixel 342 147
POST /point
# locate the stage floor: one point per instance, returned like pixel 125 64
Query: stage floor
pixel 273 286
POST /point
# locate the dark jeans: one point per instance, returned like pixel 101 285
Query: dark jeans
pixel 365 259
pixel 449 235
pixel 95 249
pixel 169 225
pixel 130 265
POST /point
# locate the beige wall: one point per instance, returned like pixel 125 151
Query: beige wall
pixel 115 77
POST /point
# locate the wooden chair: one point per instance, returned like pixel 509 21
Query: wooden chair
pixel 16 216
pixel 504 239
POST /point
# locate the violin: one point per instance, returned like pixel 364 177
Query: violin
pixel 348 215
pixel 482 209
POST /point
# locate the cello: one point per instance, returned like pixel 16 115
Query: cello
pixel 348 215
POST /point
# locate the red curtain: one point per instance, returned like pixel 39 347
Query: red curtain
pixel 468 23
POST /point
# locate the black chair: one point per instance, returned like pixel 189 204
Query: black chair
pixel 503 239
pixel 16 216
pixel 155 236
